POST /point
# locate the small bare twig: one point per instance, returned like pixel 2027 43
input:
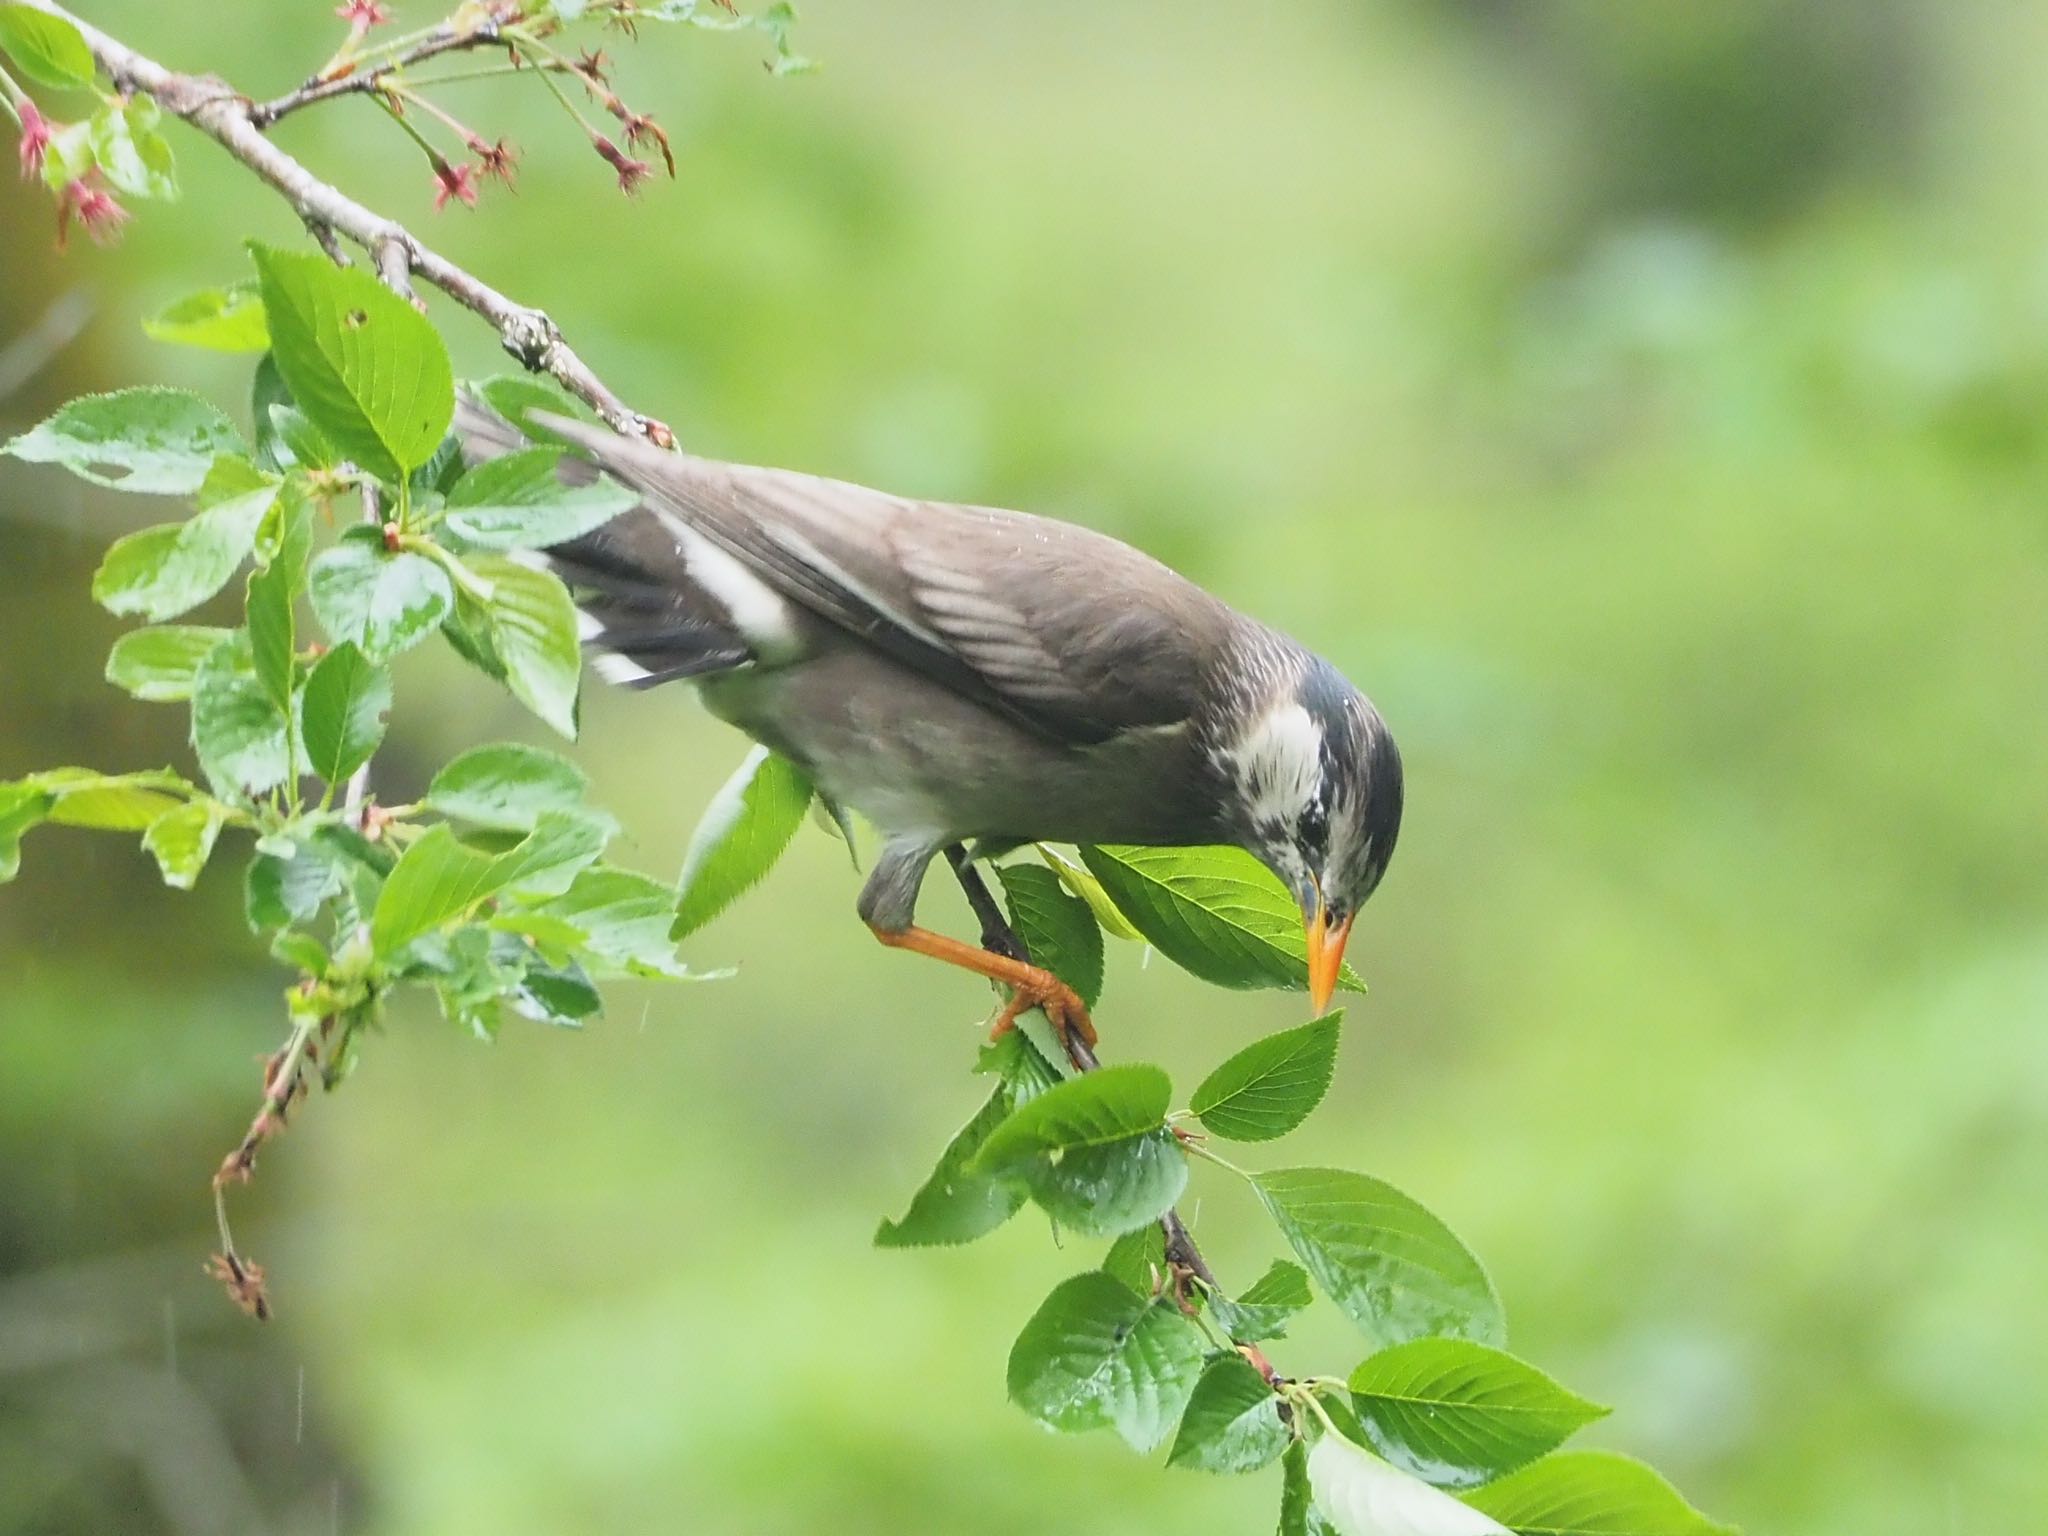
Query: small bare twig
pixel 324 237
pixel 226 117
pixel 284 1083
pixel 372 77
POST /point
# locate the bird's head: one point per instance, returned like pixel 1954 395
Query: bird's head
pixel 1316 783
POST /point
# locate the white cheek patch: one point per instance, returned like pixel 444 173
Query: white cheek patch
pixel 1279 761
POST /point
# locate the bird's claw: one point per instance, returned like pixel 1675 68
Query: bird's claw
pixel 1062 1006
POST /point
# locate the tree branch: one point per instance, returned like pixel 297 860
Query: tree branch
pixel 228 118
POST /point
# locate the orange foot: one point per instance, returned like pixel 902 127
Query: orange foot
pixel 1063 1007
pixel 1033 986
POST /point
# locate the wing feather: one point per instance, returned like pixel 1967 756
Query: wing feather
pixel 1068 631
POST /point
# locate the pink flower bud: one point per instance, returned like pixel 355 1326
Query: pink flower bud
pixel 35 139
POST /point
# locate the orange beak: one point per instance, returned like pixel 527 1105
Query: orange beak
pixel 1325 956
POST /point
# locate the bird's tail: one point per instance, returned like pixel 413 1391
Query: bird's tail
pixel 644 616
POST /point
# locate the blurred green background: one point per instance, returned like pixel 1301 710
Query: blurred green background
pixel 1647 405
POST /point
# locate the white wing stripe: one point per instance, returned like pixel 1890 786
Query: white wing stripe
pixel 757 611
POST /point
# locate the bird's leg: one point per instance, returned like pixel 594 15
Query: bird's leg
pixel 996 932
pixel 1033 986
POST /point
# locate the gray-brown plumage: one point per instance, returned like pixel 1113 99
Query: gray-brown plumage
pixel 959 672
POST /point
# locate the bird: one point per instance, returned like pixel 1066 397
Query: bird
pixel 956 673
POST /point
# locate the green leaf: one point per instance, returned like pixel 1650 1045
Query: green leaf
pixel 381 601
pixel 1093 1150
pixel 109 805
pixel 561 845
pixel 1458 1414
pixel 1105 1190
pixel 107 802
pixel 300 951
pixel 1094 1110
pixel 131 154
pixel 363 364
pixel 1355 1493
pixel 1272 1085
pixel 182 841
pixel 1296 1502
pixel 743 832
pixel 624 918
pixel 1591 1493
pixel 272 638
pixel 231 477
pixel 1097 1355
pixel 956 1205
pixel 1263 1311
pixel 533 629
pixel 237 729
pixel 440 878
pixel 1026 1070
pixel 507 786
pixel 1057 928
pixel 226 319
pixel 561 995
pixel 342 712
pixel 267 393
pixel 293 440
pixel 48 49
pixel 439 474
pixel 1232 1423
pixel 163 571
pixel 514 396
pixel 23 808
pixel 158 664
pixel 518 502
pixel 277 893
pixel 553 937
pixel 1138 1258
pixel 468 633
pixel 1393 1268
pixel 145 439
pixel 1075 877
pixel 1215 912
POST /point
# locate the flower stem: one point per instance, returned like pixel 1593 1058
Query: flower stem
pixel 460 129
pixel 539 52
pixel 492 72
pixel 434 156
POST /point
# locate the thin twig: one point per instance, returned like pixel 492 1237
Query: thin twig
pixel 1183 1258
pixel 218 111
pixel 324 237
pixel 371 79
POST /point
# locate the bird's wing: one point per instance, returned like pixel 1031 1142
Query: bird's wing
pixel 1069 631
pixel 643 611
